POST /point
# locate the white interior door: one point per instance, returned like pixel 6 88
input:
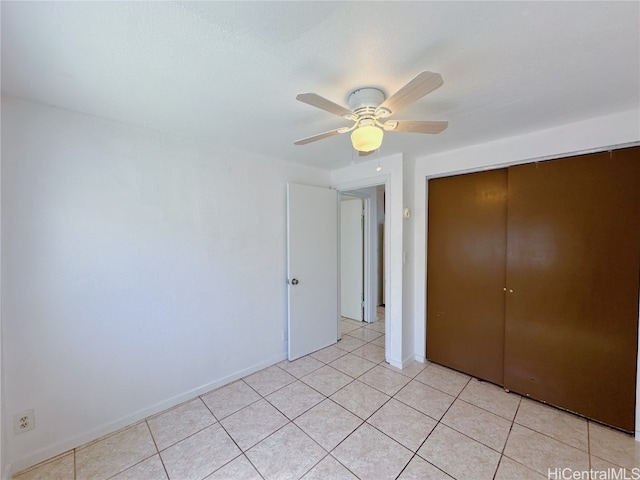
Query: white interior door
pixel 312 268
pixel 351 258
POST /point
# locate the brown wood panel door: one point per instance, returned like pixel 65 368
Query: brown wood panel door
pixel 466 254
pixel 571 324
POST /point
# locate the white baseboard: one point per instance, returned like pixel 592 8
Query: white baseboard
pixel 420 358
pixel 135 417
pixel 394 363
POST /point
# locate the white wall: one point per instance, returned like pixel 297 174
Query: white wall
pixel 409 265
pixel 589 135
pixel 138 269
pixel 2 414
pixel 364 175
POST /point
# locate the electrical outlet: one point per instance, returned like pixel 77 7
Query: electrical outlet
pixel 24 421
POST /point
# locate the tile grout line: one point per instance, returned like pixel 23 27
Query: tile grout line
pixel 289 421
pixel 506 440
pixel 328 453
pixel 242 452
pixel 156 443
pixel 438 422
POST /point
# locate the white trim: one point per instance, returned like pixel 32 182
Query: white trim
pixel 360 176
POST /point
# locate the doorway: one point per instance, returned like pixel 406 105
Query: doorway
pixel 365 275
pixel 362 272
pixel 351 257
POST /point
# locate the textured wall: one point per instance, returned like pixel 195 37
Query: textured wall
pixel 138 269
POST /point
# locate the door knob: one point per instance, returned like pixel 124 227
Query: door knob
pixel 294 281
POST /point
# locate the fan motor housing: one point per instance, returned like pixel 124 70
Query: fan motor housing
pixel 365 97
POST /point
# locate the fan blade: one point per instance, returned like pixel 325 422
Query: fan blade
pixel 417 126
pixel 417 88
pixel 320 136
pixel 316 100
pixel 364 154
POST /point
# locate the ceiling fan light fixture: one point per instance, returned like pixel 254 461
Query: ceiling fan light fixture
pixel 367 138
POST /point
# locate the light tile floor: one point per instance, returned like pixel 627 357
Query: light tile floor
pixel 343 413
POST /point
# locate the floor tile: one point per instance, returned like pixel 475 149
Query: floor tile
pixel 288 453
pixel 377 416
pixel 426 399
pixel 384 380
pixel 328 424
pixel 328 354
pixel 149 469
pixel 329 469
pixel 115 453
pixel 491 398
pixel 420 469
pixel 377 326
pixel 179 422
pixel 352 365
pixel 371 455
pixel 199 455
pixel 301 367
pixel 351 321
pixel 253 423
pixel 347 327
pixel 269 380
pixel 327 380
pixel 410 370
pixel 240 468
pixel 380 341
pixel 58 468
pixel 485 427
pixel 349 343
pixel 371 352
pixel 555 423
pixel 613 446
pixel 404 424
pixel 540 453
pixel 295 399
pixel 364 334
pixel 230 398
pixel 458 455
pixel 614 471
pixel 444 379
pixel 510 470
pixel 360 399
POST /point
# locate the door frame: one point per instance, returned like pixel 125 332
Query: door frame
pixel 501 158
pixel 398 323
pixel 393 325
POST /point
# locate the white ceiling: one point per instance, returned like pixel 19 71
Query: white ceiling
pixel 228 72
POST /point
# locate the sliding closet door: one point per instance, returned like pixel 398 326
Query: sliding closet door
pixel 466 272
pixel 572 272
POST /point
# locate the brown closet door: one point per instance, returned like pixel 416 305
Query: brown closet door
pixel 571 325
pixel 466 272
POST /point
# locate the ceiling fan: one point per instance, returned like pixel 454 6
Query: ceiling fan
pixel 369 109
